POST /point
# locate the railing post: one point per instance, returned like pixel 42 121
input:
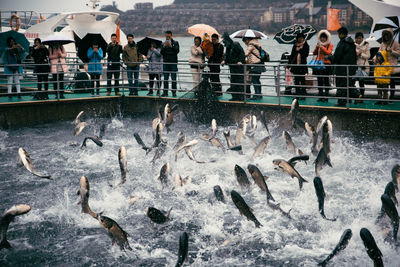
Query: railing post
pixel 245 83
pixel 277 74
pixel 348 86
pixel 58 83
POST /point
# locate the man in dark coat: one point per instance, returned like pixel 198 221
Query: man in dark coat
pixel 345 54
pixel 170 51
pixel 214 62
pixel 114 50
pixel 300 51
pixel 235 58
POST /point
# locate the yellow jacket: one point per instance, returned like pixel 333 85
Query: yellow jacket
pixel 382 70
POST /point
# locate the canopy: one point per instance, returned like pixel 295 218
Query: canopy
pixel 387 23
pixel 144 44
pixel 88 41
pixel 249 33
pixel 288 35
pixel 201 29
pixel 18 37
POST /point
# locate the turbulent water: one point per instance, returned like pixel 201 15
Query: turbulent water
pixel 56 233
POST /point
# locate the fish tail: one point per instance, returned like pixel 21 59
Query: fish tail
pixel 4 244
pixel 301 181
pixel 395 230
pixel 270 197
pixel 258 224
pixel 323 263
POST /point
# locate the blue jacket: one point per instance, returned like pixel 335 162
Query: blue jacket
pixel 95 65
pixel 7 70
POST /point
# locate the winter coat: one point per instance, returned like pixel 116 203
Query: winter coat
pixel 252 53
pixel 95 58
pixel 197 55
pixel 304 51
pixel 155 61
pixel 218 53
pixel 345 54
pixel 114 52
pixel 394 55
pixel 170 54
pixel 362 59
pixel 7 58
pixel 57 60
pixel 382 69
pixel 234 52
pixel 325 48
pixel 131 54
pixel 41 56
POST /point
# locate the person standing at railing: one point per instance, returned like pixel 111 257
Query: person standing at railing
pixel 114 51
pixel 323 49
pixel 40 55
pixel 12 59
pixel 382 74
pixel 393 53
pixel 345 54
pixel 155 67
pixel 58 66
pixel 95 68
pixel 170 51
pixel 253 54
pixel 132 59
pixel 298 56
pixel 363 54
pixel 196 61
pixel 215 62
pixel 235 58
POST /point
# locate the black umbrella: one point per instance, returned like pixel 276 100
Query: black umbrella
pixel 387 23
pixel 144 44
pixel 88 41
pixel 288 35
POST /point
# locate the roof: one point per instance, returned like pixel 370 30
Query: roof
pixel 341 6
pixel 316 11
pixel 299 5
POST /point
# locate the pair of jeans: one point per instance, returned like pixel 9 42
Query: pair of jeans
pixel 255 80
pixel 58 79
pixel 113 69
pixel 133 87
pixel 95 78
pixel 13 79
pixel 170 69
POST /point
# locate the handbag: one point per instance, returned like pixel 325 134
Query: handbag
pixel 359 75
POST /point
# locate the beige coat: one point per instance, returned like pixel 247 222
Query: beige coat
pixel 57 60
pixel 252 53
pixel 130 54
pixel 196 55
pixel 362 59
pixel 393 56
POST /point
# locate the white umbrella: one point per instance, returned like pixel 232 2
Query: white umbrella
pixel 248 33
pixel 57 38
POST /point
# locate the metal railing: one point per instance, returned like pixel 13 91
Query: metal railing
pixel 274 82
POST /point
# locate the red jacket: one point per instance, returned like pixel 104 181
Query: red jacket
pixel 324 51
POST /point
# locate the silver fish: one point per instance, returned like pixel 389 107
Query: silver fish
pixel 284 166
pixel 289 142
pixel 7 217
pixel 27 162
pixel 241 131
pixel 123 163
pixel 163 177
pixel 261 146
pixel 321 123
pixel 84 191
pixel 79 128
pixel 314 138
pixel 78 118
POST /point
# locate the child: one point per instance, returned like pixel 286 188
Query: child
pixel 207 46
pixel 381 70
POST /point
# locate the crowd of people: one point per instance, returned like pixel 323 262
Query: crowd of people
pixel 245 67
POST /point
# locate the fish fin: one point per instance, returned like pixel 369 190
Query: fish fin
pixel 169 212
pixel 328 161
pixel 301 181
pixel 5 244
pixel 270 197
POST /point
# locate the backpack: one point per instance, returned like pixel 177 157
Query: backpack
pixel 264 56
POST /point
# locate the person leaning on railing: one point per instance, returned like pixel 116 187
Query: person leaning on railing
pixel 323 49
pixel 132 59
pixel 12 59
pixel 363 54
pixel 393 53
pixel 114 50
pixel 58 66
pixel 299 56
pixel 40 55
pixel 95 68
pixel 196 60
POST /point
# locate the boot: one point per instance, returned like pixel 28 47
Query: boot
pixel 150 92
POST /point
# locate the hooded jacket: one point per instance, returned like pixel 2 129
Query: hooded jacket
pixel 382 69
pixel 345 54
pixel 234 52
pixel 394 55
pixel 95 58
pixel 325 49
pixel 362 59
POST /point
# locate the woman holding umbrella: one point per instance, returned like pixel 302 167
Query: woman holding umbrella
pixel 95 68
pixel 12 59
pixel 58 64
pixel 299 56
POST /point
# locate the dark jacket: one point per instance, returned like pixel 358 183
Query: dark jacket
pixel 234 52
pixel 218 53
pixel 170 54
pixel 41 56
pixel 304 51
pixel 345 54
pixel 113 52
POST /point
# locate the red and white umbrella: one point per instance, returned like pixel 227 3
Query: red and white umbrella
pixel 249 33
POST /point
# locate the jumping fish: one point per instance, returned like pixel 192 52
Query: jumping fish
pixel 321 160
pixel 321 123
pixel 259 179
pixel 158 216
pixel 158 134
pixel 115 231
pixel 391 211
pixel 326 136
pixel 190 155
pixel 181 141
pixel 227 135
pixel 391 192
pixel 219 194
pixel 216 142
pixel 79 128
pixel 252 126
pixel 27 162
pixel 7 217
pixel 95 140
pixel 169 116
pixel 78 118
pixel 244 209
pixel 277 206
pixel 154 124
pixel 241 131
pixel 293 110
pixel 264 121
pixel 314 138
pixel 372 249
pixel 183 249
pixel 284 166
pixel 159 151
pixel 141 143
pixel 294 160
pixel 163 177
pixel 396 176
pixel 123 163
pixel 259 149
pixel 320 192
pixel 289 142
pixel 84 193
pixel 343 242
pixel 179 181
pixel 241 176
